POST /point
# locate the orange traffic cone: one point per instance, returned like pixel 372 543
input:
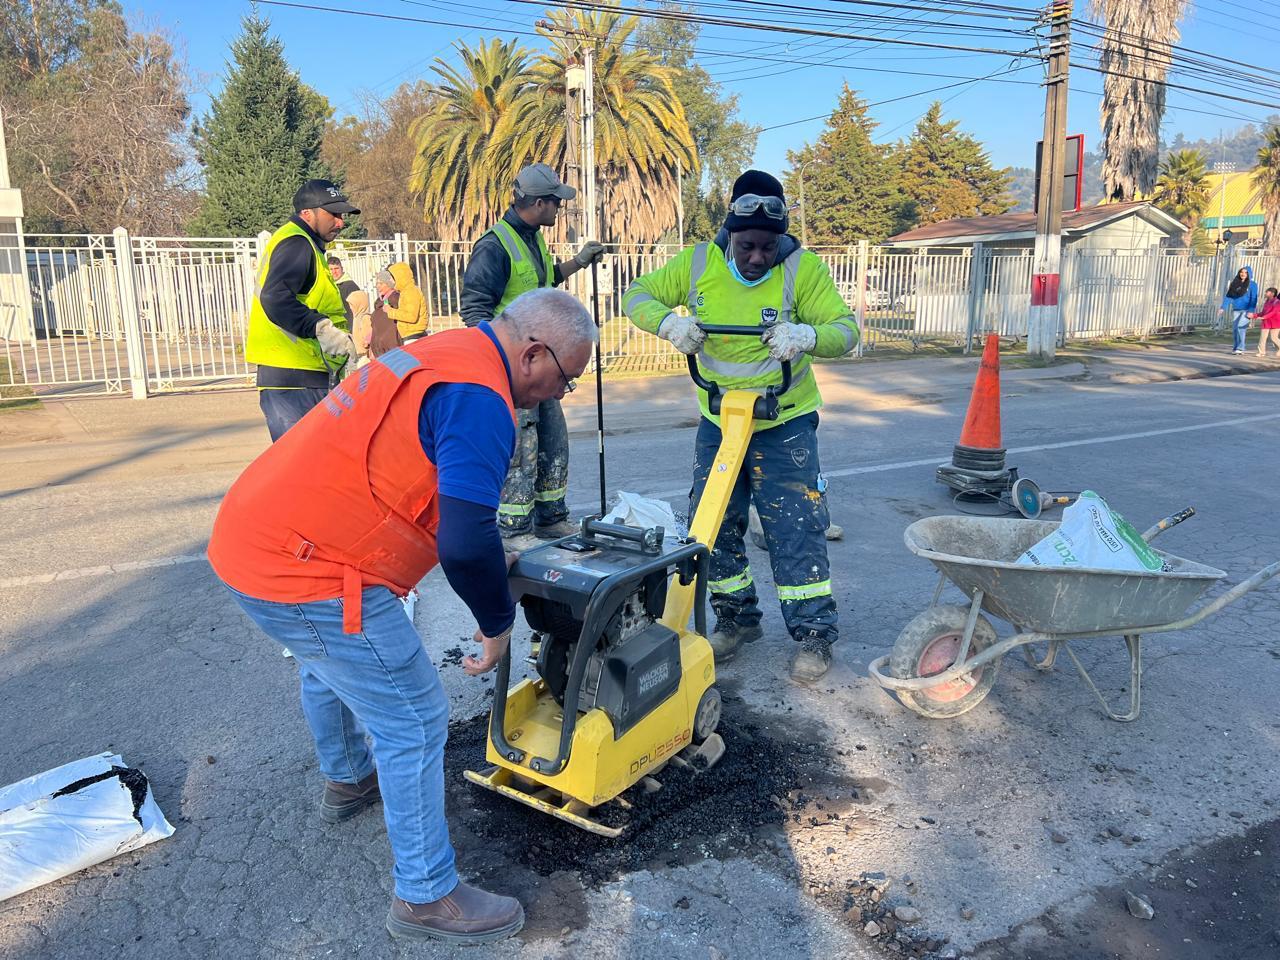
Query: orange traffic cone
pixel 981 429
pixel 979 455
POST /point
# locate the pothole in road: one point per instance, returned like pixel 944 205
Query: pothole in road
pixel 771 781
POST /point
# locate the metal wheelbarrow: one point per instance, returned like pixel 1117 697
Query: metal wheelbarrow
pixel 945 660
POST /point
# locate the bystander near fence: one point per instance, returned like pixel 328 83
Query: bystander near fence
pixel 84 315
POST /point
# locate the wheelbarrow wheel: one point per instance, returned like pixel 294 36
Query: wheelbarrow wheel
pixel 929 645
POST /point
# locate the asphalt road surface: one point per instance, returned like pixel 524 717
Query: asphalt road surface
pixel 1013 830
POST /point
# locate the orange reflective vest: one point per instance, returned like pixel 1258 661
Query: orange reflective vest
pixel 347 497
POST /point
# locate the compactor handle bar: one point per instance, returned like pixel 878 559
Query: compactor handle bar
pixel 767 406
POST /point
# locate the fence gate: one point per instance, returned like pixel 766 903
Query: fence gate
pixel 70 338
pixel 193 300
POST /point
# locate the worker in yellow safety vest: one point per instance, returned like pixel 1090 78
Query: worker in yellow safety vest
pixel 756 273
pixel 298 334
pixel 510 258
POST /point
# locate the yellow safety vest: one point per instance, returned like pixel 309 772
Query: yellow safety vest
pixel 273 346
pixel 524 274
pixel 743 363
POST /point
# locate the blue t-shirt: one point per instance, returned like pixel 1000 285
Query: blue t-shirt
pixel 466 431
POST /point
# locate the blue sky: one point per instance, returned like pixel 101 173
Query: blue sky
pixel 780 79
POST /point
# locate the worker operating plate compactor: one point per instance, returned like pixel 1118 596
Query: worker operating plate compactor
pixel 623 686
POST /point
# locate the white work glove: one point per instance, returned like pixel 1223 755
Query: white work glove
pixel 786 341
pixel 335 343
pixel 590 253
pixel 683 332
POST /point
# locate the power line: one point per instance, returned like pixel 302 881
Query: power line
pixel 647 13
pixel 908 96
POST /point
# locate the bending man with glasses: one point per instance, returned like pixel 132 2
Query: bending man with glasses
pixel 508 260
pixel 755 272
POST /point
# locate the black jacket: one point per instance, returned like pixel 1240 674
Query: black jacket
pixel 292 274
pixel 489 270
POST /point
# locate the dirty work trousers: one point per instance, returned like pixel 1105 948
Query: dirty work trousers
pixel 284 408
pixel 539 472
pixel 780 475
pixel 380 681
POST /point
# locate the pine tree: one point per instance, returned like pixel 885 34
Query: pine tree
pixel 260 140
pixel 947 174
pixel 850 188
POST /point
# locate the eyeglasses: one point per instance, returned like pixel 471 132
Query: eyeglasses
pixel 553 200
pixel 569 385
pixel 774 207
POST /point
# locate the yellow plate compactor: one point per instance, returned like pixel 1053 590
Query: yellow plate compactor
pixel 623 687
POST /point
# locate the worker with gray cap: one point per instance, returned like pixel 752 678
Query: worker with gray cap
pixel 509 259
pixel 298 334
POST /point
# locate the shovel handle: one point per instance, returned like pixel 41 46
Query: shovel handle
pixel 1170 521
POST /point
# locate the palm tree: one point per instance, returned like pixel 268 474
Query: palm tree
pixel 498 111
pixel 1266 177
pixel 1134 54
pixel 1182 190
pixel 462 190
pixel 641 132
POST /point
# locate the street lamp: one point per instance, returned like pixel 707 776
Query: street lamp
pixel 804 211
pixel 1225 169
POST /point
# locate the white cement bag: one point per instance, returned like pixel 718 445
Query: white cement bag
pixel 637 511
pixel 1093 535
pixel 45 836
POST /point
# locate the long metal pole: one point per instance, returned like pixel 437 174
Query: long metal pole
pixel 1042 323
pixel 595 313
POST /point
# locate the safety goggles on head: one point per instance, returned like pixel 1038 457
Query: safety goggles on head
pixel 775 208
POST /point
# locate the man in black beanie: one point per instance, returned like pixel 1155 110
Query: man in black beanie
pixel 756 273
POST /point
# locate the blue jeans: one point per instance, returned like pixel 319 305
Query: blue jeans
pixel 382 681
pixel 1240 323
pixel 284 408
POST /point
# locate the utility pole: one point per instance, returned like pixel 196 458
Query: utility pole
pixel 580 142
pixel 1042 324
pixel 573 80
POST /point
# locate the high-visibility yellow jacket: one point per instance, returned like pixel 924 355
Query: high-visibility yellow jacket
pixel 798 289
pixel 273 346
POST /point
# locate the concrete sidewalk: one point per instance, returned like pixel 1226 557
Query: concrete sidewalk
pixel 69 441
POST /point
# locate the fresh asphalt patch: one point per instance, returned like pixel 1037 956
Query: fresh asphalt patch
pixel 775 789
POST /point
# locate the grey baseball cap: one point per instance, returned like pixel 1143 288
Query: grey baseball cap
pixel 539 180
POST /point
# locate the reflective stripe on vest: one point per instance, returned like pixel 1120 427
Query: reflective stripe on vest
pixel 723 359
pixel 279 537
pixel 524 274
pixel 273 346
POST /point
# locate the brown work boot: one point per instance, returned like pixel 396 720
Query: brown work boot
pixel 729 635
pixel 812 662
pixel 554 531
pixel 520 542
pixel 342 801
pixel 467 915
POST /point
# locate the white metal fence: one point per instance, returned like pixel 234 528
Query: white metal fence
pixel 102 314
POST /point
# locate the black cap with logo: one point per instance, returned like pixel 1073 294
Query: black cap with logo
pixel 325 195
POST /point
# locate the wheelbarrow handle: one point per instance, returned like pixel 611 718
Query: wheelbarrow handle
pixel 1172 521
